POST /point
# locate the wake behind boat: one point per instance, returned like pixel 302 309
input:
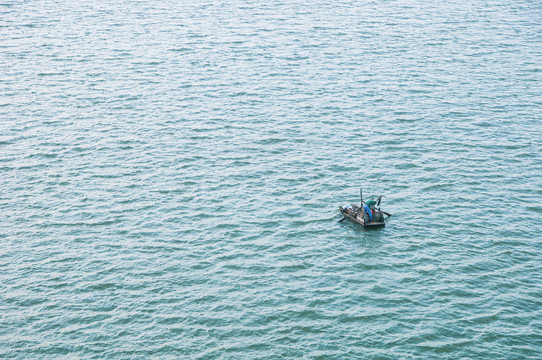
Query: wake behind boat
pixel 368 214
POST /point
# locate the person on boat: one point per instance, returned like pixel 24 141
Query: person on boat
pixel 368 208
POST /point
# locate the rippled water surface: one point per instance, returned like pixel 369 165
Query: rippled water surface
pixel 171 173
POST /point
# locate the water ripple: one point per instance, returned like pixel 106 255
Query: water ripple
pixel 172 173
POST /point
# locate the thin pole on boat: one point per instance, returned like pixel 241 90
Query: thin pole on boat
pixel 349 216
pixel 361 197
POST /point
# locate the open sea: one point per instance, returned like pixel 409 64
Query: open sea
pixel 171 172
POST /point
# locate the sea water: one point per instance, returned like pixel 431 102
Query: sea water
pixel 171 173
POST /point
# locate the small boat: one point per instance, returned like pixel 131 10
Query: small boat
pixel 356 213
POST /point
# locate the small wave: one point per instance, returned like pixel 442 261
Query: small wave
pixel 534 208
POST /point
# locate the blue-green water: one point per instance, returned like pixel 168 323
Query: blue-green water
pixel 171 173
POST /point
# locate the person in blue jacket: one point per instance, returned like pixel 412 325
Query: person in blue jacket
pixel 368 207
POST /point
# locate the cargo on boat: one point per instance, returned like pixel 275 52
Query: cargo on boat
pixel 368 214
